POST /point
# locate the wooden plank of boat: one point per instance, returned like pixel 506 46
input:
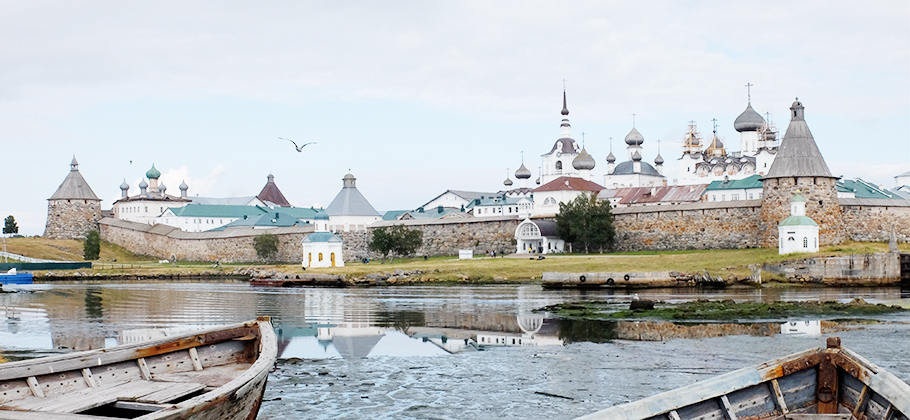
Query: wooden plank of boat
pixel 817 384
pixel 217 373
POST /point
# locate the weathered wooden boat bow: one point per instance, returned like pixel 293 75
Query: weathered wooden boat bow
pixel 217 373
pixel 831 383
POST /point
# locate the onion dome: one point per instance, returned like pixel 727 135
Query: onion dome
pixel 659 160
pixel 583 161
pixel 522 172
pixel 143 184
pixel 183 186
pixel 634 138
pixel 507 182
pixel 636 156
pixel 153 173
pixel 124 186
pixel 611 158
pixel 749 120
pixel 162 188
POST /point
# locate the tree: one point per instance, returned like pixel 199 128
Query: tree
pixel 10 227
pixel 266 246
pixel 396 239
pixel 91 247
pixel 586 222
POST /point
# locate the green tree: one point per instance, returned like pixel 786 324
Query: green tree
pixel 91 247
pixel 586 222
pixel 10 227
pixel 266 246
pixel 397 239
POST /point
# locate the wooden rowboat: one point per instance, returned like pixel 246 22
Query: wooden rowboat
pixel 217 373
pixel 819 384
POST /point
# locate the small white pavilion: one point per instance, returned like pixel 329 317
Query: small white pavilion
pixel 322 248
pixel 797 233
pixel 537 237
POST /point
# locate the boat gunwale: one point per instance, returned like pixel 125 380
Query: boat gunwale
pixel 882 382
pixel 267 353
pixel 126 352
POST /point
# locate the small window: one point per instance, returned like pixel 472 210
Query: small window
pixel 805 242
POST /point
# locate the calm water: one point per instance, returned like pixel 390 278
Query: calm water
pixel 436 352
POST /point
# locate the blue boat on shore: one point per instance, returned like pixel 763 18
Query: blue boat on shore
pixel 12 277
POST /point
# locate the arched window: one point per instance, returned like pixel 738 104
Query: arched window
pixel 805 242
pixel 558 165
pixel 320 256
pixel 528 230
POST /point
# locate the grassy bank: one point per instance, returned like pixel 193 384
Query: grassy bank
pixel 511 268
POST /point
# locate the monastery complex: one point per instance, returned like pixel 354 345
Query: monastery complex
pixel 773 192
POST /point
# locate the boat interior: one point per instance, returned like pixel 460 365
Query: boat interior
pixel 819 384
pixel 127 381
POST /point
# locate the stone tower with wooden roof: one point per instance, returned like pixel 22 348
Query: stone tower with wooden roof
pixel 799 168
pixel 74 209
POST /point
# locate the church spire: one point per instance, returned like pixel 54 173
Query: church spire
pixel 565 109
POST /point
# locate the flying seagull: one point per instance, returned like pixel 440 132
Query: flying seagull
pixel 299 148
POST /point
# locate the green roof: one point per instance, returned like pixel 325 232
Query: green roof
pixel 863 189
pixel 265 220
pixel 322 237
pixel 798 198
pixel 153 173
pixel 496 200
pixel 750 182
pixel 302 212
pixel 211 210
pixel 393 214
pixel 798 221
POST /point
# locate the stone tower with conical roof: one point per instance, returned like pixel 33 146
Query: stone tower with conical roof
pixel 74 209
pixel 799 168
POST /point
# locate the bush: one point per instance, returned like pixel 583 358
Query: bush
pixel 91 247
pixel 266 246
pixel 396 239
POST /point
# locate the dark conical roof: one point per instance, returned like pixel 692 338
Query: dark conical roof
pixel 272 194
pixel 798 154
pixel 74 186
pixel 749 120
pixel 565 110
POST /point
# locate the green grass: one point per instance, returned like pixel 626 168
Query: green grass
pixel 450 269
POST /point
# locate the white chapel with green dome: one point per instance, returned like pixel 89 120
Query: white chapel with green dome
pixel 797 233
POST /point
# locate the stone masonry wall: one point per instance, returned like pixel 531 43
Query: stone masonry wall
pixel 687 226
pixel 166 242
pixel 822 206
pixel 446 237
pixel 71 219
pixel 874 223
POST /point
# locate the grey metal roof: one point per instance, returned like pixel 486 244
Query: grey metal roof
pixel 659 160
pixel 522 172
pixel 350 202
pixel 583 161
pixel 873 202
pixel 611 158
pixel 798 154
pixel 701 205
pixel 627 168
pixel 634 137
pixel 74 186
pixel 567 146
pixel 749 120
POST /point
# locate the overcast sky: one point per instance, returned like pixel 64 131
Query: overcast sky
pixel 418 97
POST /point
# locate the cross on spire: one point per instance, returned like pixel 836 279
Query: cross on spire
pixel 611 144
pixel 564 85
pixel 714 120
pixel 658 146
pixel 633 120
pixel 582 139
pixel 522 157
pixel 749 91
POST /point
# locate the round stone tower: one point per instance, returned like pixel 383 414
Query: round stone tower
pixel 74 209
pixel 800 168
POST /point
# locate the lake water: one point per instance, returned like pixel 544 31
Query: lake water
pixel 443 352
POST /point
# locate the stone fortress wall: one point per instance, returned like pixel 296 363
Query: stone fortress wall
pixel 71 219
pixel 703 225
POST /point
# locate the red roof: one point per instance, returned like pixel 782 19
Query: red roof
pixel 650 195
pixel 568 183
pixel 271 193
